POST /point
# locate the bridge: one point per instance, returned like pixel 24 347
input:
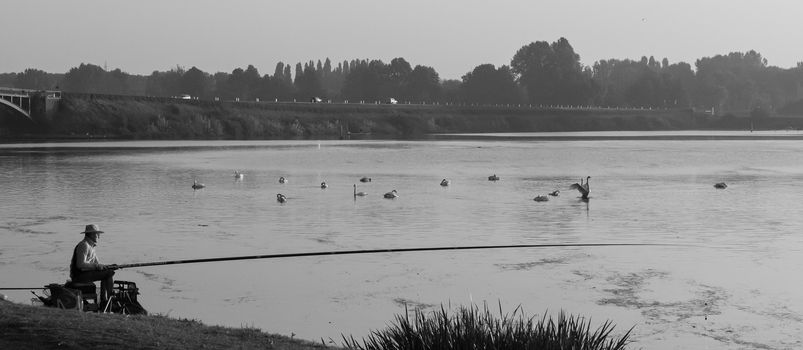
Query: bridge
pixel 20 99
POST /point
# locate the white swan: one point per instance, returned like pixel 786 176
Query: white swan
pixel 584 189
pixel 197 185
pixel 238 175
pixel 359 194
pixel 391 194
pixel 445 182
pixel 281 198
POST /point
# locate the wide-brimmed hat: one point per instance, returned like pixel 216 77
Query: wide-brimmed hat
pixel 92 228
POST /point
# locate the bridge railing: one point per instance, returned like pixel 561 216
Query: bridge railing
pixel 52 94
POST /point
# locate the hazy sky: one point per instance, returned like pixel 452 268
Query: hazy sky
pixel 452 36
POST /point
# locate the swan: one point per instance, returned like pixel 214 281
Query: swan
pixel 282 180
pixel 365 179
pixel 720 185
pixel 391 194
pixel 554 193
pixel 281 198
pixel 358 194
pixel 197 185
pixel 541 198
pixel 493 178
pixel 238 175
pixel 324 185
pixel 445 182
pixel 584 189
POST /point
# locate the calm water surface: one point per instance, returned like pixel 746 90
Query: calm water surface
pixel 734 283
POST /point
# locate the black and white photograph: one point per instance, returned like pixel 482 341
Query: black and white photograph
pixel 401 174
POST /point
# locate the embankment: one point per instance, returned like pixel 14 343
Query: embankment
pixel 131 117
pixel 31 327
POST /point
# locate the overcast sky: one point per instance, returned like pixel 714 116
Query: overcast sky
pixel 452 36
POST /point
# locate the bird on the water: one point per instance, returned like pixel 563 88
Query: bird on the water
pixel 197 185
pixel 584 189
pixel 358 194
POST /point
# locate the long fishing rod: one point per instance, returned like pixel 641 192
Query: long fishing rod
pixel 375 251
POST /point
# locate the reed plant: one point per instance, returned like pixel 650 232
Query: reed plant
pixel 473 327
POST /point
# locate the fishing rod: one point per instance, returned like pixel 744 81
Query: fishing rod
pixel 375 251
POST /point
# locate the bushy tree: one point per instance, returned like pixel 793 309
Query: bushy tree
pixel 552 74
pixel 34 79
pixel 423 85
pixel 488 85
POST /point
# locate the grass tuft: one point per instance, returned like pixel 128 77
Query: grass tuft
pixel 474 328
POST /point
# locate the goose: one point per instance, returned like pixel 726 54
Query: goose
pixel 282 180
pixel 324 185
pixel 358 194
pixel 281 198
pixel 720 185
pixel 445 182
pixel 197 185
pixel 391 194
pixel 365 179
pixel 541 198
pixel 584 189
pixel 493 178
pixel 554 193
pixel 238 175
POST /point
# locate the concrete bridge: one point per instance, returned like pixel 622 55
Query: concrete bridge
pixel 22 100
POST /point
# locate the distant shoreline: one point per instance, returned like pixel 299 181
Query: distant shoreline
pixel 81 117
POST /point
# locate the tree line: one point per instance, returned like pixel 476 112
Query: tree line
pixel 540 73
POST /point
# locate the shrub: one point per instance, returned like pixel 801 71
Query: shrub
pixel 472 328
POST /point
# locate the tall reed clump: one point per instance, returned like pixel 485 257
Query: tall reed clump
pixel 473 328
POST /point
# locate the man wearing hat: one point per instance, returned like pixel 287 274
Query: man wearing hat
pixel 84 266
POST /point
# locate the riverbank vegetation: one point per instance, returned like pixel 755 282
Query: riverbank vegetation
pixel 31 327
pixel 475 328
pixel 94 116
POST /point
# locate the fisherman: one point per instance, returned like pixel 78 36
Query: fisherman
pixel 85 267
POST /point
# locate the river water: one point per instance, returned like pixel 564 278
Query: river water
pixel 727 274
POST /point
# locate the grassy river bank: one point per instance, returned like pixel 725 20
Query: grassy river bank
pixel 32 327
pixel 471 327
pixel 84 116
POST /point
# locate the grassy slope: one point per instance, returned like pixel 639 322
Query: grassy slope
pixel 31 327
pixel 162 118
pixel 136 117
